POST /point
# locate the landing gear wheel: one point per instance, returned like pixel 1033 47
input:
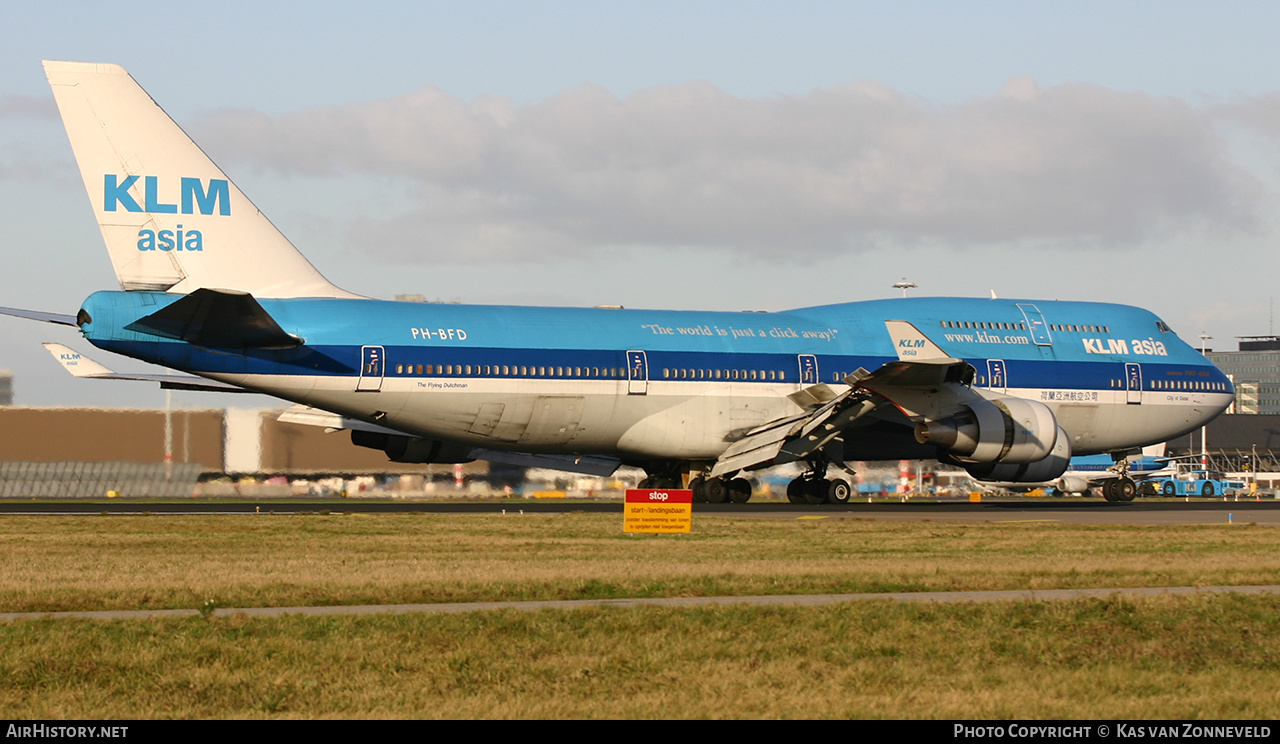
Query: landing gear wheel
pixel 838 491
pixel 699 488
pixel 1125 489
pixel 717 490
pixel 739 490
pixel 1109 490
pixel 795 491
pixel 815 491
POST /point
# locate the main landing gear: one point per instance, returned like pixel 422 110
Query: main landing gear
pixel 810 489
pixel 815 488
pixel 705 490
pixel 1119 489
pixel 661 475
pixel 720 490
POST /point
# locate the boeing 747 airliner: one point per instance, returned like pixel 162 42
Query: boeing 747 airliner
pixel 1007 389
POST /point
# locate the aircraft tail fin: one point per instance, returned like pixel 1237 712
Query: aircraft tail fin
pixel 171 219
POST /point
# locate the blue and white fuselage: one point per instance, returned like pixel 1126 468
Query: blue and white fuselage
pixel 643 384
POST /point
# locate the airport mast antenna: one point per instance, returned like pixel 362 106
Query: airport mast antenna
pixel 904 285
pixel 1205 338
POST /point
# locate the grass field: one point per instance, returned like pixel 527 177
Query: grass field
pixel 1167 657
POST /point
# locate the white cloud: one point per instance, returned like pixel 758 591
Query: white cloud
pixel 839 169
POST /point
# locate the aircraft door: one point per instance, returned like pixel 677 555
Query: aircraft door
pixel 1133 382
pixel 373 362
pixel 1035 323
pixel 808 369
pixel 637 373
pixel 996 379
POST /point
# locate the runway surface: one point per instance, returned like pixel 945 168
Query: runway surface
pixel 1060 511
pixel 791 600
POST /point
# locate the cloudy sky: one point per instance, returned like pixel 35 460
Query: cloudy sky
pixel 700 155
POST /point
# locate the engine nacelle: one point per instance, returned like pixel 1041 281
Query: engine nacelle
pixel 1009 430
pixel 1045 469
pixel 1072 484
pixel 401 448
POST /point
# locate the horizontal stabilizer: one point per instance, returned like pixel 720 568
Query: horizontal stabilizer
pixel 218 318
pixel 82 366
pixel 59 318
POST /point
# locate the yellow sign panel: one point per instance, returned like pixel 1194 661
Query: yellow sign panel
pixel 658 510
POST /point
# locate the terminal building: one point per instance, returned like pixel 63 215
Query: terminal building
pixel 1255 370
pixel 158 452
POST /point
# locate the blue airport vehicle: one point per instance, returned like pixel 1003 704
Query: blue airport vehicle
pixel 1195 480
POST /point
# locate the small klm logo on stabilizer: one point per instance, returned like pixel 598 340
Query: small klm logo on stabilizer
pixel 195 196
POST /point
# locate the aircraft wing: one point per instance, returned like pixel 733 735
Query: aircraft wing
pixel 587 465
pixel 923 379
pixel 80 365
pixel 309 416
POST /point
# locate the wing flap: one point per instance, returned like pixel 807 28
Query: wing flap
pixel 794 437
pixel 923 377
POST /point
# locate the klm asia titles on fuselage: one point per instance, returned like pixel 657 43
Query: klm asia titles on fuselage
pixel 195 197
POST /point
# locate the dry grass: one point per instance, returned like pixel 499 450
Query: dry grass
pixel 1168 658
pixel 1165 657
pixel 63 563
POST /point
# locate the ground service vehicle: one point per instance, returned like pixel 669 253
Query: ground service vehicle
pixel 1194 481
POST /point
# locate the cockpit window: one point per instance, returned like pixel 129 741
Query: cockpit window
pixel 1163 327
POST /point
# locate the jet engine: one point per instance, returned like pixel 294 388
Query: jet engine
pixel 1045 469
pixel 1006 430
pixel 1073 484
pixel 401 448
